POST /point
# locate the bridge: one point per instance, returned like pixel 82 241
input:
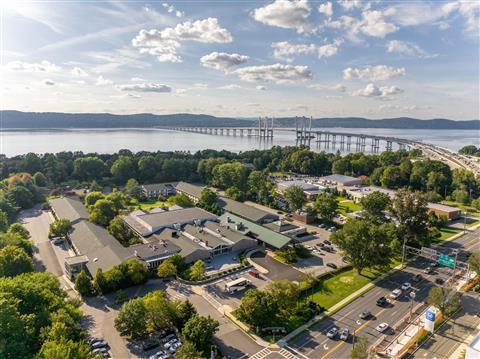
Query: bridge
pixel 305 135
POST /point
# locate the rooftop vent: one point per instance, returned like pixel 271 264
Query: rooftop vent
pixel 95 259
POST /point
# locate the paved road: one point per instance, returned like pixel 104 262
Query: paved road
pixel 315 344
pixel 453 333
pixel 276 269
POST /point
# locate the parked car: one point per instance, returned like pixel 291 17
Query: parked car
pixel 94 340
pixel 327 242
pixel 332 333
pixel 57 241
pixel 321 225
pixel 149 345
pixel 100 351
pixel 396 293
pixel 99 344
pixel 406 286
pixel 382 327
pixel 309 247
pixel 332 229
pixel 171 343
pixel 344 334
pixel 317 252
pixel 254 273
pixel 417 278
pixel 428 270
pixel 332 265
pixel 439 281
pixel 381 301
pixel 365 315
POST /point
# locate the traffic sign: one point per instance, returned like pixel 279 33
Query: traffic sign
pixel 446 261
pixel 429 253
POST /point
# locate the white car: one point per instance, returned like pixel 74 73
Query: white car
pixel 170 343
pixel 396 293
pixel 310 248
pixel 381 327
pixel 406 286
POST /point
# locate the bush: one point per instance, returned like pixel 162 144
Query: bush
pixel 288 255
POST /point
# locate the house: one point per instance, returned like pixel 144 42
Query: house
pixel 157 189
pixel 70 208
pixel 263 235
pixel 451 213
pixel 310 190
pixel 341 180
pixel 357 193
pixel 245 211
pixel 150 223
pixel 190 190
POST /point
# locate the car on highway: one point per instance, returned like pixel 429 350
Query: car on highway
pixel 395 293
pixel 365 315
pixel 406 286
pixel 381 327
pixel 417 278
pixel 332 333
pixel 382 301
pixel 332 265
pixel 428 270
pixel 344 333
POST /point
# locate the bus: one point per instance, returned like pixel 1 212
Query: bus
pixel 236 285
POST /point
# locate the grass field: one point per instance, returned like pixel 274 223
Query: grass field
pixel 147 205
pixel 448 232
pixel 469 209
pixel 348 206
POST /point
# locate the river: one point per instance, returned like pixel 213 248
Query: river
pixel 16 142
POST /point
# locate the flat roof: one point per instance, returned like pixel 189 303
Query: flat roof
pixel 244 210
pixel 178 216
pixel 70 208
pixel 225 231
pixel 189 188
pixel 339 178
pixel 280 226
pixel 155 249
pixel 299 183
pixel 157 186
pixel 443 207
pixel 264 234
pixel 205 237
pixel 186 245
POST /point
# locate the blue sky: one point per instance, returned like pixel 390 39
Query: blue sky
pixel 374 59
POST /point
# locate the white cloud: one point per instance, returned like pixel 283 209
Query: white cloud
pixel 340 87
pixel 372 90
pixel 298 108
pixel 77 71
pixel 164 44
pixel 326 9
pixel 44 66
pixel 407 49
pixel 375 25
pixel 223 61
pixel 285 14
pixel 230 87
pixel 253 104
pixel 261 88
pixel 327 50
pixel 145 87
pixel 171 9
pixel 286 51
pixel 277 73
pixel 469 10
pixel 137 79
pixel 103 81
pixel 48 82
pixel 352 4
pixel 373 73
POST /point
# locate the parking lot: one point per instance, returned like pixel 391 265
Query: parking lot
pixel 222 262
pixel 276 270
pixel 322 260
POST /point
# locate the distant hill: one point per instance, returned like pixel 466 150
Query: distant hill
pixel 49 120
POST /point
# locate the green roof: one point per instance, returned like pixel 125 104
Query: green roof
pixel 261 233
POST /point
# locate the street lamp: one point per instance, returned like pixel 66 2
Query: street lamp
pixel 465 222
pixel 412 297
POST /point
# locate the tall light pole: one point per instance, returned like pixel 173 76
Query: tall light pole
pixel 465 222
pixel 412 297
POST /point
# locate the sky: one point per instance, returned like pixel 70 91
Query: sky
pixel 374 59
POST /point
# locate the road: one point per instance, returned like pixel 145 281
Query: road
pixel 454 332
pixel 315 344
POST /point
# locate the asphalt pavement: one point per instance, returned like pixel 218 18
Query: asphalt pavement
pixel 276 269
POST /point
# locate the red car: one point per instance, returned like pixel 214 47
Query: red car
pixel 254 273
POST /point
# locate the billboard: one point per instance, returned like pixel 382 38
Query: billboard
pixel 430 316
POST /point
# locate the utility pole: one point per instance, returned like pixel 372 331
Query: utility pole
pixel 412 297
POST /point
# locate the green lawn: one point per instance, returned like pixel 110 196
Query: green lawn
pixel 448 232
pixel 348 206
pixel 148 205
pixel 469 209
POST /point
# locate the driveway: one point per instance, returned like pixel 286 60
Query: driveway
pixel 276 269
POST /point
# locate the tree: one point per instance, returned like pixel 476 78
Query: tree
pixel 160 311
pixel 234 193
pixel 374 204
pixel 137 271
pixel 326 206
pixel 21 196
pixel 102 212
pixel 132 319
pixel 132 189
pixel 181 199
pixel 166 269
pixel 88 168
pixel 200 331
pixel 468 150
pixel 197 271
pixel 391 177
pixel 118 199
pixel 3 221
pixel 59 228
pixel 100 283
pixel 208 199
pixel 92 198
pixel 121 231
pixel 184 311
pixel 258 309
pixel 123 169
pixel 39 179
pixel 188 351
pixel 61 349
pixel 366 244
pixel 13 326
pixel 147 168
pixel 445 299
pixel 295 197
pixel 18 229
pixel 360 349
pixel 288 255
pixel 232 174
pixel 474 261
pixel 14 261
pixel 83 283
pixel 95 187
pixel 410 210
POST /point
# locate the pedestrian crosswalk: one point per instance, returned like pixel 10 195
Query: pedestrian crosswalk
pixel 261 354
pixel 265 352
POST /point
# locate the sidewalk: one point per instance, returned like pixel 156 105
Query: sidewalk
pixel 462 347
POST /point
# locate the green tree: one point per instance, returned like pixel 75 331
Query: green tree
pixel 374 204
pixel 258 185
pixel 410 210
pixel 160 311
pixel 92 198
pixel 461 196
pixel 88 168
pixel 31 163
pixel 16 240
pixel 474 261
pixel 65 349
pixel 21 196
pixel 147 168
pixel 197 271
pixel 137 271
pixel 258 309
pixel 118 199
pixel 361 350
pixel 295 197
pixel 391 177
pixel 100 283
pixel 18 229
pixel 188 351
pixel 102 212
pixel 13 326
pixel 234 193
pixel 167 269
pixel 132 319
pixel 83 283
pixel 366 244
pixel 133 190
pixel 200 331
pixel 181 200
pixel 119 229
pixel 95 187
pixel 184 311
pixel 39 179
pixel 3 221
pixel 326 206
pixel 208 199
pixel 447 300
pixel 232 174
pixel 468 150
pixel 205 167
pixel 59 228
pixel 123 169
pixel 14 261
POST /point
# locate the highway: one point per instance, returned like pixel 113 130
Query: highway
pixel 315 344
